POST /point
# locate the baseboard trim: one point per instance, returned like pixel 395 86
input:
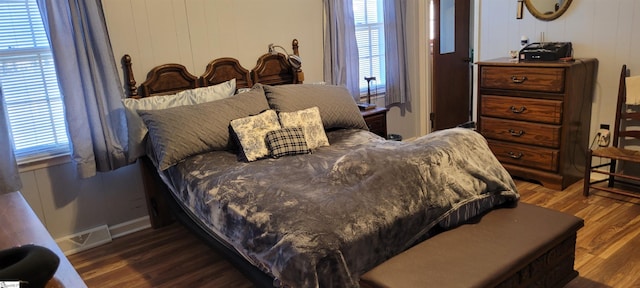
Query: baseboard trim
pixel 129 227
pixel 100 235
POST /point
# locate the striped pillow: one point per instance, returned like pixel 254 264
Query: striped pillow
pixel 286 141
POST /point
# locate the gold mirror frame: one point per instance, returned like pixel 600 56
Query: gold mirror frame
pixel 546 16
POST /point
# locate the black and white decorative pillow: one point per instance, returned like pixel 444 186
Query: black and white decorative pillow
pixel 286 141
pixel 311 123
pixel 251 132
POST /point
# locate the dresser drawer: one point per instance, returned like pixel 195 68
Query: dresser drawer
pixel 377 124
pixel 376 120
pixel 521 132
pixel 525 156
pixel 523 78
pixel 525 109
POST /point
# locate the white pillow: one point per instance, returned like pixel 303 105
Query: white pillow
pixel 252 132
pixel 310 121
pixel 206 93
pixel 138 130
pixel 242 90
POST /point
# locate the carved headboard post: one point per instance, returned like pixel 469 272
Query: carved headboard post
pixel 294 45
pixel 298 72
pixel 132 90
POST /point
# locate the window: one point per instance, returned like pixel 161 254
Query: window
pixel 29 83
pixel 369 22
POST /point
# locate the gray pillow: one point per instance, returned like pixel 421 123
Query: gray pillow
pixel 179 132
pixel 337 107
pixel 135 125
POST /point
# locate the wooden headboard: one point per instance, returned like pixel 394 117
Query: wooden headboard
pixel 166 79
pixel 270 69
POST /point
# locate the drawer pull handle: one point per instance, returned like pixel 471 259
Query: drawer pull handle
pixel 516 110
pixel 516 133
pixel 515 156
pixel 518 80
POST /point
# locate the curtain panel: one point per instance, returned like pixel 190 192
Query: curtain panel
pixel 396 62
pixel 89 83
pixel 9 176
pixel 340 47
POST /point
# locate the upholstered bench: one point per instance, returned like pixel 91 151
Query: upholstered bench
pixel 525 246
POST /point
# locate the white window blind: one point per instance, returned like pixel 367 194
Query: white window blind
pixel 369 22
pixel 29 83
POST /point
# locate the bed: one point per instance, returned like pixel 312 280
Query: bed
pixel 285 179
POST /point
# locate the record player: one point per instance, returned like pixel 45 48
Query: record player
pixel 545 51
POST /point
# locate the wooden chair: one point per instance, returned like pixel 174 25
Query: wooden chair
pixel 618 181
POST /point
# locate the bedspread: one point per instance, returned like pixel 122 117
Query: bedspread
pixel 323 219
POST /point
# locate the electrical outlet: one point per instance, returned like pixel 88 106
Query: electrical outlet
pixel 603 137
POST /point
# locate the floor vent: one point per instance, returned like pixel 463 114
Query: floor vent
pixel 84 240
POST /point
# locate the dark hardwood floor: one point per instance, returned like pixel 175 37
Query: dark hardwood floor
pixel 607 252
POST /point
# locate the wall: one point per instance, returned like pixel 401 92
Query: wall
pixel 195 32
pixel 606 30
pixel 67 205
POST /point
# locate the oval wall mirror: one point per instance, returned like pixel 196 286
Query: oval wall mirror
pixel 547 10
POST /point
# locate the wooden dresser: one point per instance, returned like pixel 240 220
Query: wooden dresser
pixel 536 117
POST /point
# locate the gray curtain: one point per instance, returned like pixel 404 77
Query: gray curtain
pixel 340 47
pixel 9 177
pixel 89 83
pixel 395 22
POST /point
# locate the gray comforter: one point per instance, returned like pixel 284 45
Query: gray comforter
pixel 323 219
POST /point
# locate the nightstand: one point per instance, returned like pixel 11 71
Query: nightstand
pixel 376 119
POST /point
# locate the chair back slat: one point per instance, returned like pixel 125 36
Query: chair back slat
pixel 622 99
pixel 633 134
pixel 630 116
pixel 626 132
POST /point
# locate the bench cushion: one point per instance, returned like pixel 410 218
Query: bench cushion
pixel 480 254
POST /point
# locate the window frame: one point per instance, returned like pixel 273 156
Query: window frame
pixel 373 50
pixel 31 93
